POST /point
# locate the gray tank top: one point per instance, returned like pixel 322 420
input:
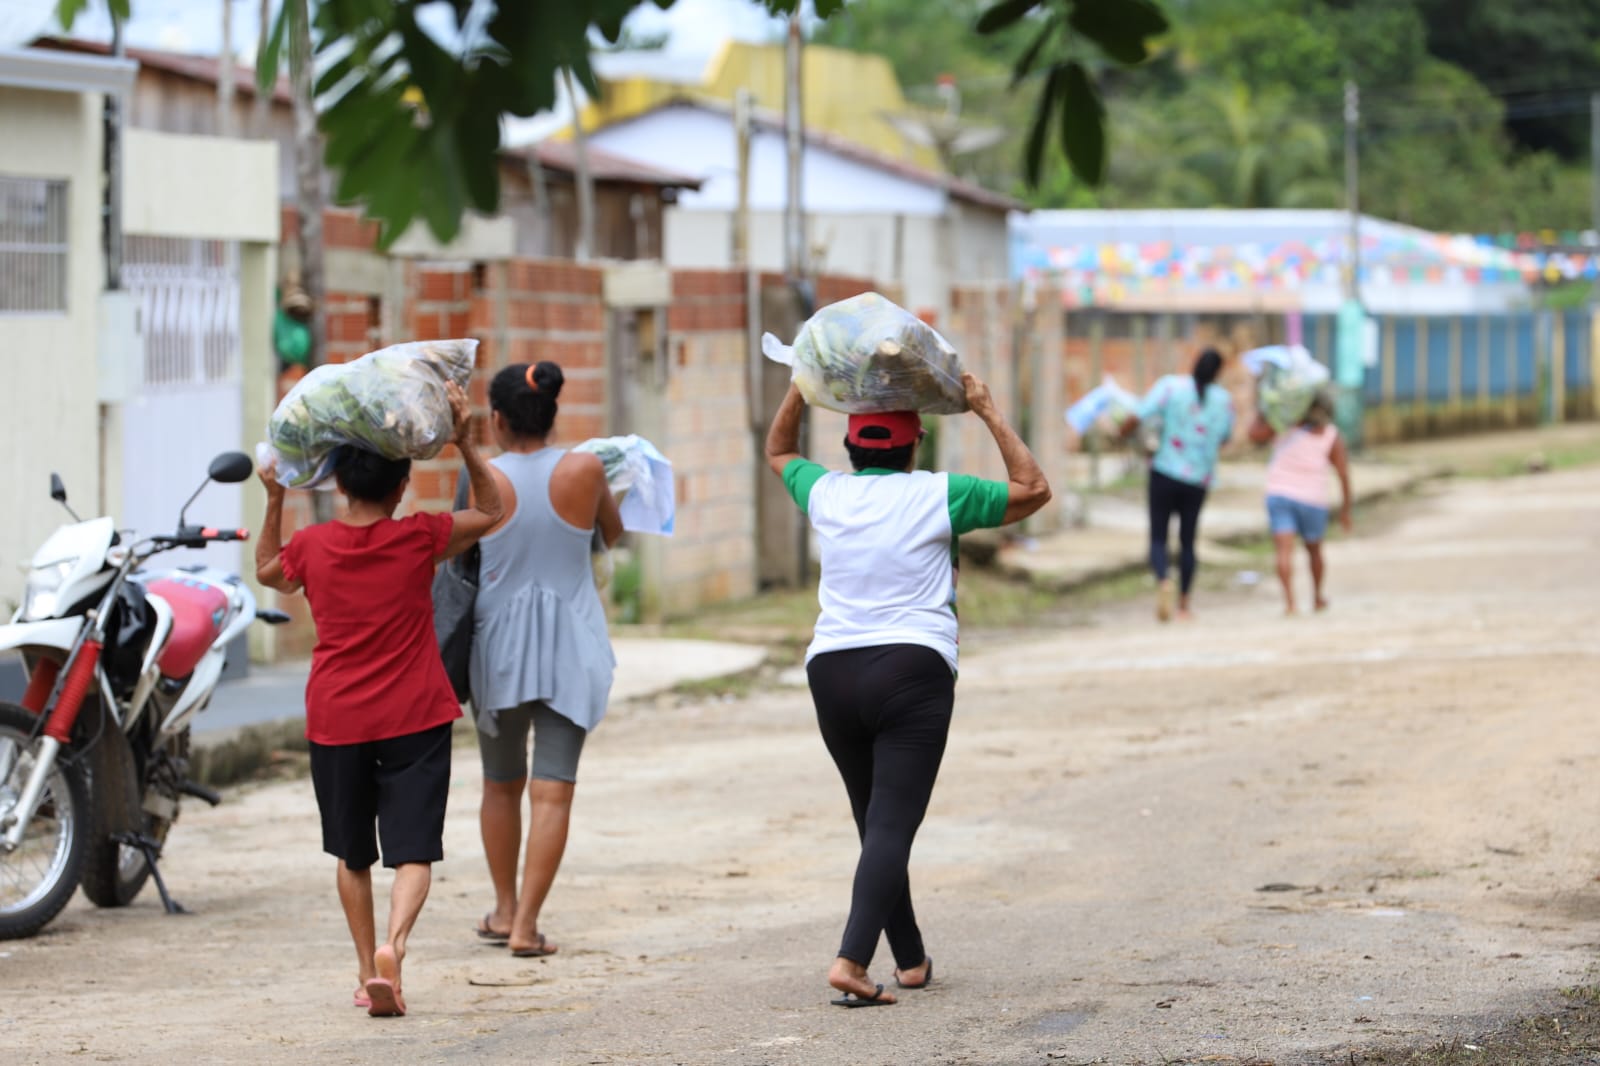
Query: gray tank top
pixel 540 630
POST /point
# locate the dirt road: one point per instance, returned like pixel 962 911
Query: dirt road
pixel 1422 765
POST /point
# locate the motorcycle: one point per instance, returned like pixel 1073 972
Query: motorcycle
pixel 94 761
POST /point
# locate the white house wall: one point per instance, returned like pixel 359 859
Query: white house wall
pixel 700 143
pixel 861 245
pixel 48 407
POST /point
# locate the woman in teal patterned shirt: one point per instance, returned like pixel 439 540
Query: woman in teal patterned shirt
pixel 1196 419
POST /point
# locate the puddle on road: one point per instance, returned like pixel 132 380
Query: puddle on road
pixel 1063 1021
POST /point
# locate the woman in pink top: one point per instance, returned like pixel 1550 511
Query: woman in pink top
pixel 1297 492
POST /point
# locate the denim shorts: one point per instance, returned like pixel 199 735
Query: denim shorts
pixel 1309 521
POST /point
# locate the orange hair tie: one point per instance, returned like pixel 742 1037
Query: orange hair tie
pixel 532 384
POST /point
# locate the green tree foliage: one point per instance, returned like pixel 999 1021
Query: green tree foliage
pixel 1541 52
pixel 1241 105
pixel 413 124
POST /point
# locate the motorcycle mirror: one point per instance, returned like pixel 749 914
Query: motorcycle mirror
pixel 231 468
pixel 58 493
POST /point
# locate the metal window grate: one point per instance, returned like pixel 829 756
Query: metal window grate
pixel 33 245
pixel 189 292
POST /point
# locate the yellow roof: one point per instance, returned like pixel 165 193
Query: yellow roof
pixel 846 94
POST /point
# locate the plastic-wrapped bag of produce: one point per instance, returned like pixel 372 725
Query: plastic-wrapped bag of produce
pixel 641 477
pixel 391 401
pixel 867 355
pixel 1288 379
pixel 1103 407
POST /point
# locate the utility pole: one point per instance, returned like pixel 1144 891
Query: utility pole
pixel 259 120
pixel 113 163
pixel 1594 178
pixel 580 176
pixel 1352 190
pixel 1350 368
pixel 794 233
pixel 111 222
pixel 225 86
pixel 794 241
pixel 309 193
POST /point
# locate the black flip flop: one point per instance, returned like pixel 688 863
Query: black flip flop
pixel 486 932
pixel 533 953
pixel 926 981
pixel 850 999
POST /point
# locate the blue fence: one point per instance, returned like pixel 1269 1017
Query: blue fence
pixel 1470 359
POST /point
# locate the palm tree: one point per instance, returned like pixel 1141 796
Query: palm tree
pixel 1255 151
pixel 1223 146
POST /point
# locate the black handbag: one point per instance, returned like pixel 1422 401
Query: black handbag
pixel 455 596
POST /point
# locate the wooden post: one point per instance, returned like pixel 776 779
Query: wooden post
pixel 1510 406
pixel 1419 399
pixel 1558 367
pixel 1483 365
pixel 1455 364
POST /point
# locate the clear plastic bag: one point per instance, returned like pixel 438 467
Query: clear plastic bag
pixel 867 355
pixel 641 479
pixel 1288 380
pixel 391 401
pixel 1102 409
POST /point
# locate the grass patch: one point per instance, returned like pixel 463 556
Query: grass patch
pixel 783 618
pixel 1568 1033
pixel 1556 457
pixel 728 686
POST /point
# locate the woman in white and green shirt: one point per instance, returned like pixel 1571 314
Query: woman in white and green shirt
pixel 883 661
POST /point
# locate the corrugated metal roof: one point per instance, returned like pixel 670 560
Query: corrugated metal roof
pixel 831 142
pixel 204 69
pixel 604 166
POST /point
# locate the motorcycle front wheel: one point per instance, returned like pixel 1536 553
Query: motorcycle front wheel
pixel 114 874
pixel 38 878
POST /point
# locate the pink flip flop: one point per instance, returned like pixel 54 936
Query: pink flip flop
pixel 361 999
pixel 381 991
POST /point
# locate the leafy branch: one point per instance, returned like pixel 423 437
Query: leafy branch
pixel 1120 29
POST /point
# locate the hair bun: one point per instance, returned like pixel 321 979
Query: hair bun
pixel 550 379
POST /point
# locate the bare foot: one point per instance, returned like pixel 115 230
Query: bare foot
pixel 1185 615
pixel 851 978
pixel 1322 604
pixel 538 947
pixel 384 989
pixel 916 976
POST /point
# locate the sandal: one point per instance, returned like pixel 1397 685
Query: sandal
pixel 926 980
pixel 850 999
pixel 486 931
pixel 538 952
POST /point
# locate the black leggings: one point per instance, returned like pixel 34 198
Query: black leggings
pixel 1169 495
pixel 885 715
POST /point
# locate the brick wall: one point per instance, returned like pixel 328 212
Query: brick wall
pixel 705 417
pixel 981 329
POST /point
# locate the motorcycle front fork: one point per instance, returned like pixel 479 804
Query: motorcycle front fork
pixel 57 732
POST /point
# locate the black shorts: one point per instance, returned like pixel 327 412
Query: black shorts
pixel 394 790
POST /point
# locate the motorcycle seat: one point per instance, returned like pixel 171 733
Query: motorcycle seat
pixel 198 611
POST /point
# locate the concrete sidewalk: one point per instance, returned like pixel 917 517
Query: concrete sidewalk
pixel 1110 540
pixel 645 666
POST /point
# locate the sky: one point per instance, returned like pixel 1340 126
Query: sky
pixel 696 26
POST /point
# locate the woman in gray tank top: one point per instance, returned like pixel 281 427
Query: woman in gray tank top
pixel 541 655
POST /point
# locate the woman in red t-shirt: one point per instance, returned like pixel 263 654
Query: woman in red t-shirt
pixel 379 706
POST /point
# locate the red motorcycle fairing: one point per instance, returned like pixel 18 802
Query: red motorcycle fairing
pixel 198 611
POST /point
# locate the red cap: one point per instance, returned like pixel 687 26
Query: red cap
pixel 905 427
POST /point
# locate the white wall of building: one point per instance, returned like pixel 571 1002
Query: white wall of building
pixel 700 142
pixel 48 407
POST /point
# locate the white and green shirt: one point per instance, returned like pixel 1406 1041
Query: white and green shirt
pixel 888 545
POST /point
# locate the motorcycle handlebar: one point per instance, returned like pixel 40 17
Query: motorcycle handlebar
pixel 191 537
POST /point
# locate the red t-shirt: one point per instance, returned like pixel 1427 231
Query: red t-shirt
pixel 376 671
